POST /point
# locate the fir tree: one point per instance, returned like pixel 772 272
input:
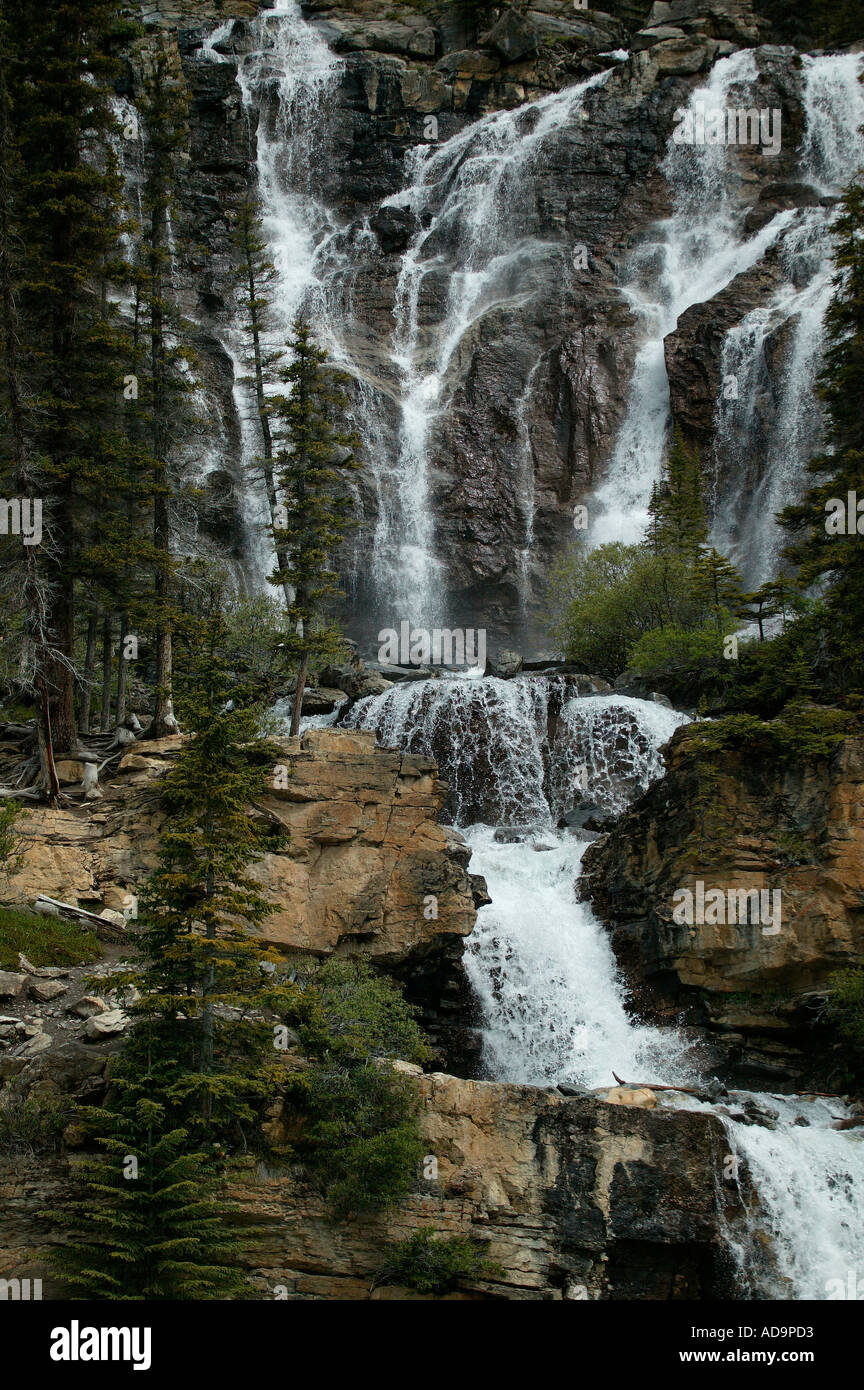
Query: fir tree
pixel 62 338
pixel 718 584
pixel 314 461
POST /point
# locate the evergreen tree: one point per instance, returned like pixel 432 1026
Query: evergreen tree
pixel 200 964
pixel 255 274
pixel 150 1220
pixel 718 584
pixel 827 546
pixel 678 523
pixel 314 461
pixel 63 342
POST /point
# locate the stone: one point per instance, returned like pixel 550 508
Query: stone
pixel 640 1096
pixel 46 990
pixel 106 1025
pixel 12 986
pixel 512 36
pixel 88 1006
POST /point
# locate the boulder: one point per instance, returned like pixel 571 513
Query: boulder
pixel 513 36
pixel 12 985
pixel 106 1025
pixel 46 990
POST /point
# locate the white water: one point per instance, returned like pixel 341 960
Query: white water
pixel 469 195
pixel 553 1004
pixel 757 434
pixel 688 259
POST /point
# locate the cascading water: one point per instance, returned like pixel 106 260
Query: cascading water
pixel 520 753
pixel 688 259
pixel 765 433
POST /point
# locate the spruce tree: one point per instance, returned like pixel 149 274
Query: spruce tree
pixel 314 462
pixel 149 1220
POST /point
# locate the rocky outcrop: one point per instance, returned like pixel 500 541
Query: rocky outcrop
pixel 746 822
pixel 364 868
pixel 572 1198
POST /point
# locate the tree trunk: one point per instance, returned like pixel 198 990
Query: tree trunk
pixel 89 668
pixel 298 698
pixel 122 670
pixel 107 630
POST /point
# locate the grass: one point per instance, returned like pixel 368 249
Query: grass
pixel 44 940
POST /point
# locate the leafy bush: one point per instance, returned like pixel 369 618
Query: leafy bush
pixel 686 663
pixel 360 1136
pixel 802 731
pixel 44 940
pixel 431 1263
pixel 845 1007
pixel 603 601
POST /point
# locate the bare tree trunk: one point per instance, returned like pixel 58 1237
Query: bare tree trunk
pixel 298 697
pixel 107 627
pixel 89 668
pixel 122 670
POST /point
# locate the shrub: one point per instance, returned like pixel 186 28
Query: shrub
pixel 431 1263
pixel 845 1007
pixel 31 1124
pixel 361 1138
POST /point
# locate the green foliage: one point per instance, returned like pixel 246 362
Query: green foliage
pixel 677 508
pixel 201 971
pixel 31 1123
pixel 845 1006
pixel 802 731
pixel 688 662
pixel 603 601
pixel 432 1263
pixel 161 1229
pixel 11 840
pixel 822 553
pixel 44 940
pixel 314 462
pixel 361 1138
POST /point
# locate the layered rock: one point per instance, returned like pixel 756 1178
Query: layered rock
pixel 364 867
pixel 571 1198
pixel 747 823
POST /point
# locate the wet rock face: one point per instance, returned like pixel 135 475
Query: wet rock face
pixel 571 1198
pixel 748 825
pixel 535 393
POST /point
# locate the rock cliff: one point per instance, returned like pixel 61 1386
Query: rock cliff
pixel 794 826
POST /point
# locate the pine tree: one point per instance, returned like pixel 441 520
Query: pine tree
pixel 314 461
pixel 718 584
pixel 199 957
pixel 828 548
pixel 678 523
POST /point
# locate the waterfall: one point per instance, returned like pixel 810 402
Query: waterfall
pixel 686 259
pixel 517 755
pixel 765 435
pixel 469 197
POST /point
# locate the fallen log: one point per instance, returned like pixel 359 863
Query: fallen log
pixel 652 1086
pixel 106 931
